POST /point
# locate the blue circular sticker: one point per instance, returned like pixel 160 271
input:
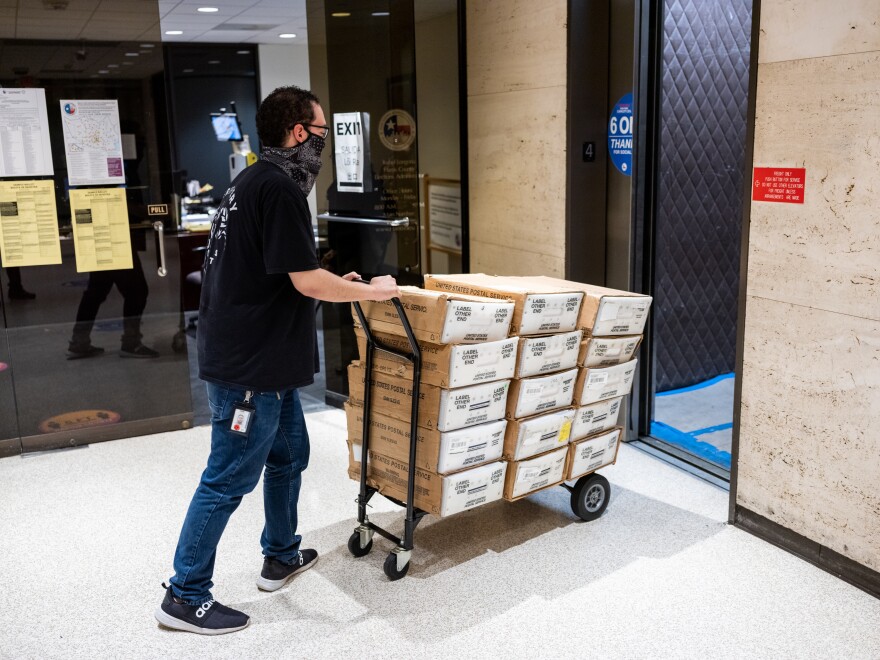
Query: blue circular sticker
pixel 620 135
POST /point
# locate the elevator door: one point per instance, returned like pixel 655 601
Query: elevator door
pixel 93 348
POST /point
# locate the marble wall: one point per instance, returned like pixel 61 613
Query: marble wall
pixel 809 440
pixel 516 73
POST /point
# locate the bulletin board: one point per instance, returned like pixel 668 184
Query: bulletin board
pixel 443 216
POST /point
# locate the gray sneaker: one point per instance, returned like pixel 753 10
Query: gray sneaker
pixel 275 574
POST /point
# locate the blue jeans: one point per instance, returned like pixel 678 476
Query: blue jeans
pixel 277 439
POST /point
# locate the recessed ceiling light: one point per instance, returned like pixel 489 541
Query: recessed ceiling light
pixel 188 70
pixel 112 66
pixel 208 10
pixel 132 54
pixel 381 13
pixel 213 61
pixel 148 45
pixel 103 71
pixel 173 32
pixel 243 52
pixel 340 14
pixel 287 35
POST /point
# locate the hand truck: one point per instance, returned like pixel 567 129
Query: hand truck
pixel 589 495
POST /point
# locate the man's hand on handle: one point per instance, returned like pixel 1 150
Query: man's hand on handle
pixel 383 287
pixel 323 285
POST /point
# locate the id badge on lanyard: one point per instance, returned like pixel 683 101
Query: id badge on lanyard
pixel 243 415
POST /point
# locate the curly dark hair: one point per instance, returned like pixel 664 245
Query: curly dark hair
pixel 282 110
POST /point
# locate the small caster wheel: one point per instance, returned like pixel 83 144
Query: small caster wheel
pixel 354 545
pixel 590 496
pixel 390 568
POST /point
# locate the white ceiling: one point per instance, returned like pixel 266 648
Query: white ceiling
pixel 237 21
pixel 62 38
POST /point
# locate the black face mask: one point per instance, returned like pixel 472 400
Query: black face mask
pixel 302 162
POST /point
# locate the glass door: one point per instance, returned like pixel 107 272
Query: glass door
pixel 10 440
pixel 95 346
pixel 368 192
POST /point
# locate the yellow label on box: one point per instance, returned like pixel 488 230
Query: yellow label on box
pixel 565 431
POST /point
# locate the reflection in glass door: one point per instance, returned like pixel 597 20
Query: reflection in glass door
pixel 370 200
pixel 96 350
pixel 10 442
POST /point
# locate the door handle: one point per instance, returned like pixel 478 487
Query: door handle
pixel 160 229
pixel 376 222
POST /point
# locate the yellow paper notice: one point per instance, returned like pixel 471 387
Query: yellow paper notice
pixel 101 235
pixel 28 224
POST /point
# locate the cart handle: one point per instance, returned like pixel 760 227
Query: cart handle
pixel 415 356
pixel 415 351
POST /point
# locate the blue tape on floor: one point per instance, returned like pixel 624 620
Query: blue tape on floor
pixel 712 429
pixel 690 444
pixel 698 386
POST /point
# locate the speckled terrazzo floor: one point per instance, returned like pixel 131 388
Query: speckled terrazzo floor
pixel 87 535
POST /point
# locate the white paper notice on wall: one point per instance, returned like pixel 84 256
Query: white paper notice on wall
pixel 352 152
pixel 24 133
pixel 92 142
pixel 444 207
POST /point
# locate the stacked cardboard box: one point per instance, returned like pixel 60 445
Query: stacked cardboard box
pixel 612 322
pixel 562 408
pixel 467 363
pixel 539 410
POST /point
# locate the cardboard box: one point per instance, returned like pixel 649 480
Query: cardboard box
pixel 529 396
pixel 445 365
pixel 607 311
pixel 442 318
pixel 524 477
pixel 444 410
pixel 540 308
pixel 593 453
pixel 536 435
pixel 595 417
pixel 547 354
pixel 600 383
pixel 607 351
pixel 437 494
pixel 435 450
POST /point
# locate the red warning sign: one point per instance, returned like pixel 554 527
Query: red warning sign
pixel 779 184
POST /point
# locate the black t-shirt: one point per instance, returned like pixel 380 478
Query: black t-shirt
pixel 256 331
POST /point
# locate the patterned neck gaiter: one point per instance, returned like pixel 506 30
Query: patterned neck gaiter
pixel 301 163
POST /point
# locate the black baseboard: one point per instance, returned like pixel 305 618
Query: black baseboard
pixel 846 569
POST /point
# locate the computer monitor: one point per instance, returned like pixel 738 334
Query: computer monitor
pixel 226 126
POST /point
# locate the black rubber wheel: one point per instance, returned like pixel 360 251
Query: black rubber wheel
pixel 354 545
pixel 390 568
pixel 589 497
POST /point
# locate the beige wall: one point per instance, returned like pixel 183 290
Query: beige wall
pixel 437 103
pixel 516 73
pixel 810 419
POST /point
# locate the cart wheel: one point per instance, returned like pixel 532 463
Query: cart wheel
pixel 391 568
pixel 590 496
pixel 354 545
